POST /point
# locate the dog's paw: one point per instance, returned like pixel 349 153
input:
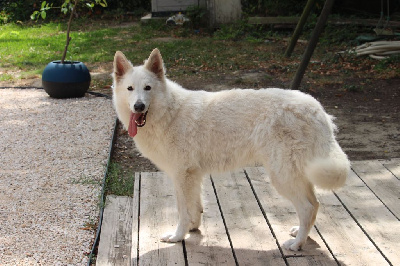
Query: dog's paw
pixel 194 226
pixel 172 238
pixel 194 229
pixel 293 231
pixel 291 244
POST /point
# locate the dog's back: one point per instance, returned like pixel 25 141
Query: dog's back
pixel 220 131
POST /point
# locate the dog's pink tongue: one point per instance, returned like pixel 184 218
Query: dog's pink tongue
pixel 132 129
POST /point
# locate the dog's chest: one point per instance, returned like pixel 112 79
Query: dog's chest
pixel 153 148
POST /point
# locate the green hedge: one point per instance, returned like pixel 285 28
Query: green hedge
pixel 15 10
pixel 21 10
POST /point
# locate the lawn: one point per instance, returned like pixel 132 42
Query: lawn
pixel 26 49
pixel 30 48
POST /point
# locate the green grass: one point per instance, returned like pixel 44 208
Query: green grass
pixel 27 48
pixel 85 180
pixel 31 47
pixel 119 182
pixel 6 77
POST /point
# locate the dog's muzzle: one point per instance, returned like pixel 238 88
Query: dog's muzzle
pixel 141 119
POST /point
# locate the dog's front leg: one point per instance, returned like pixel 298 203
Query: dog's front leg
pixel 188 190
pixel 184 220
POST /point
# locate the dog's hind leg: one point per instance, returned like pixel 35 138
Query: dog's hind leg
pixel 306 208
pixel 188 196
pixel 196 209
pixel 301 193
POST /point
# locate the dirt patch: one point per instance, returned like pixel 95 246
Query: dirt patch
pixel 126 154
pixel 368 120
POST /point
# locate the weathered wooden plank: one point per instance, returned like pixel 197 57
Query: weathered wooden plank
pixel 251 237
pixel 341 21
pixel 382 182
pixel 381 226
pixel 209 245
pixel 393 166
pixel 135 220
pixel 282 216
pixel 158 215
pixel 115 238
pixel 344 237
pixel 273 20
pixel 361 22
pixel 307 260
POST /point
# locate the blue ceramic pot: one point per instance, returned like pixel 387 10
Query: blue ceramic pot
pixel 68 80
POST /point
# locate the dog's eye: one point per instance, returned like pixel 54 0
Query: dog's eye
pixel 147 88
pixel 130 88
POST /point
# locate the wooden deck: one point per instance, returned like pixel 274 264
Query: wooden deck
pixel 245 222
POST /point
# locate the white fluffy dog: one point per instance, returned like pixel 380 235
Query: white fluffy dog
pixel 189 134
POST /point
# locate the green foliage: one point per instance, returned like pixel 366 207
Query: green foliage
pixel 137 6
pixel 276 7
pixel 65 7
pixel 234 31
pixel 384 64
pixel 13 11
pixel 242 30
pixel 43 11
pixel 197 16
pixel 4 17
pixel 340 34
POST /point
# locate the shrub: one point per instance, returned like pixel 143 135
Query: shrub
pixel 17 10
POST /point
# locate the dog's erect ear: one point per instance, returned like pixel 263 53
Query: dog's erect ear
pixel 121 65
pixel 155 63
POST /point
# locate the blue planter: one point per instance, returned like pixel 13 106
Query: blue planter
pixel 68 80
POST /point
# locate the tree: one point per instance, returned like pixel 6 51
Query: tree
pixel 68 5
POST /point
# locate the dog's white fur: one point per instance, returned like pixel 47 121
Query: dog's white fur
pixel 189 134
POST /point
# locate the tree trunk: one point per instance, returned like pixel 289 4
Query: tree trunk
pixel 312 44
pixel 299 28
pixel 68 30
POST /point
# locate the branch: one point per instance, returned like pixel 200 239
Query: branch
pixel 68 30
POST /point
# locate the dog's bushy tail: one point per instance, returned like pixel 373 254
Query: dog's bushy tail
pixel 330 172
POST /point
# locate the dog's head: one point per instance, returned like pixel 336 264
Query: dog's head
pixel 133 88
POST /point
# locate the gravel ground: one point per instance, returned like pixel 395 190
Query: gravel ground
pixel 53 155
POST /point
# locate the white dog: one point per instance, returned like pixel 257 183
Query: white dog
pixel 189 134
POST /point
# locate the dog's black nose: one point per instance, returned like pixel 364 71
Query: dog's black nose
pixel 139 106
